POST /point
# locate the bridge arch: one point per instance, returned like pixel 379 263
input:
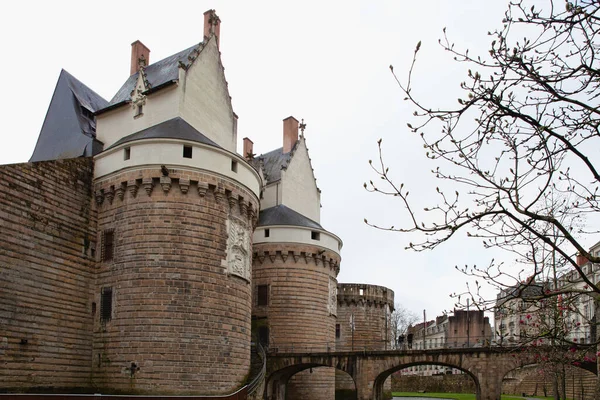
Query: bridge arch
pixel 277 379
pixel 383 376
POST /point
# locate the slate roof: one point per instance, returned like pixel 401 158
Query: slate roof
pixel 159 74
pixel 283 215
pixel 273 162
pixel 69 129
pixel 175 128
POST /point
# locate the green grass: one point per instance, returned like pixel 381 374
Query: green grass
pixel 455 396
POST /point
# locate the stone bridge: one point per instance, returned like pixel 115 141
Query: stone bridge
pixel 369 370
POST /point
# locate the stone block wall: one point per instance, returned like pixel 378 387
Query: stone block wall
pixel 301 309
pixel 180 281
pixel 47 240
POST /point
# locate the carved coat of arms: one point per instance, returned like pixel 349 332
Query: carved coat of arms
pixel 238 249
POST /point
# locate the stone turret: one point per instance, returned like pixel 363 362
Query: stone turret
pixel 296 263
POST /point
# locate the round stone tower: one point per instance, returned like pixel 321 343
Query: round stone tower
pixel 295 265
pixel 295 303
pixel 175 219
pixel 363 324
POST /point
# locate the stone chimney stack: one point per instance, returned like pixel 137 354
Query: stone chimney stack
pixel 248 147
pixel 290 133
pixel 212 25
pixel 140 56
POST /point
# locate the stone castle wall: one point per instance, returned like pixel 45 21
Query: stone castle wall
pixel 181 293
pixel 46 275
pixel 301 310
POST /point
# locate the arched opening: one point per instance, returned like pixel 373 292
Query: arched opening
pixel 311 382
pixel 574 381
pixel 426 376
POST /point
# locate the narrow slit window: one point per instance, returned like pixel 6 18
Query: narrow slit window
pixel 315 235
pixel 187 151
pixel 106 304
pixel 108 245
pixel 337 331
pixel 267 233
pixel 127 153
pixel 234 165
pixel 263 335
pixel 263 295
pixel 139 110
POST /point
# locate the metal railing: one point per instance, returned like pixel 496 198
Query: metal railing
pixel 260 377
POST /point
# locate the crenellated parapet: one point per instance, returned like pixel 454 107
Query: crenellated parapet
pixel 297 254
pixel 163 184
pixel 365 295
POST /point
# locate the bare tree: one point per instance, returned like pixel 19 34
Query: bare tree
pixel 524 134
pixel 400 320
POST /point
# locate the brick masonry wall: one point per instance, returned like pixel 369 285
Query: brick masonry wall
pixel 580 383
pixel 178 315
pixel 46 274
pixel 299 315
pixel 462 383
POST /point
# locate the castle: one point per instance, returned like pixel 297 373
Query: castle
pixel 141 254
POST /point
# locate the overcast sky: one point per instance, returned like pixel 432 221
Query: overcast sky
pixel 324 61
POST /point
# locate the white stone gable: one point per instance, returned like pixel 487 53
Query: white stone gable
pixel 299 189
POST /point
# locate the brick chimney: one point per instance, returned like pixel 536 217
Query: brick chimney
pixel 248 146
pixel 290 133
pixel 140 55
pixel 212 25
pixel 581 260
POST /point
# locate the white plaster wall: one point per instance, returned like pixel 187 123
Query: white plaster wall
pixel 271 196
pixel 169 152
pixel 296 234
pixel 205 102
pixel 114 125
pixel 299 189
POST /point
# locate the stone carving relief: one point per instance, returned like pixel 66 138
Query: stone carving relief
pixel 332 301
pixel 238 249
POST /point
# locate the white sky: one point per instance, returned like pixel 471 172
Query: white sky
pixel 325 61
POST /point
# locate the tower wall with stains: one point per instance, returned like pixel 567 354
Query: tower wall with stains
pixel 300 312
pixel 178 282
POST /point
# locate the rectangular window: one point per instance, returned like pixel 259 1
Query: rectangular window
pixel 108 245
pixel 337 331
pixel 234 165
pixel 187 151
pixel 139 110
pixel 106 304
pixel 127 153
pixel 267 233
pixel 263 295
pixel 315 235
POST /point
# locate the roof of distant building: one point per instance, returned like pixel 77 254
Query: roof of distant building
pixel 282 215
pixel 69 129
pixel 175 128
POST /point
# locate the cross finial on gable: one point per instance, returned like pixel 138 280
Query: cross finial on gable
pixel 302 127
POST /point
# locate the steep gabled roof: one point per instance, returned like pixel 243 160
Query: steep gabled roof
pixel 273 162
pixel 159 74
pixel 175 128
pixel 69 129
pixel 282 215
